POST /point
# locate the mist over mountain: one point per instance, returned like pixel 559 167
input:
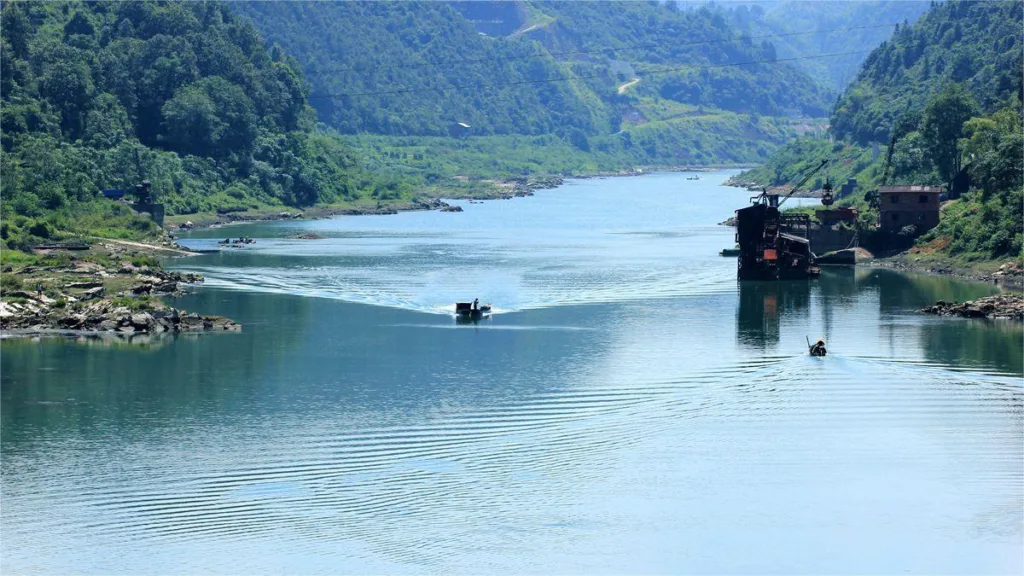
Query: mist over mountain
pixel 837 26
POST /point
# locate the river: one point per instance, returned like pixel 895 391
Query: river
pixel 629 408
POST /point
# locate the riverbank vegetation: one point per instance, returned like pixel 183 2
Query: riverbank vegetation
pixel 948 90
pixel 103 95
pixel 189 96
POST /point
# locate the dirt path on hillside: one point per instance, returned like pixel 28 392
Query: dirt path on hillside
pixel 628 85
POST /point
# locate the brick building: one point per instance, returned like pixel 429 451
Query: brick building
pixel 900 206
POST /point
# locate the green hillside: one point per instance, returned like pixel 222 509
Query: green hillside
pixel 423 66
pixel 99 95
pixel 856 27
pixel 977 44
pixel 967 122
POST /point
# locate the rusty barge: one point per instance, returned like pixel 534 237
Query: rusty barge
pixel 771 246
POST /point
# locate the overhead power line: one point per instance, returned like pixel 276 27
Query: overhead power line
pixel 573 78
pixel 438 63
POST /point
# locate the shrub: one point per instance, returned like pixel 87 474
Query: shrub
pixel 41 229
pixel 145 260
pixel 10 282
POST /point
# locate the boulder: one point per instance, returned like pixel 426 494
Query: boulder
pixel 92 293
pixel 142 320
pixel 73 321
pixel 1005 306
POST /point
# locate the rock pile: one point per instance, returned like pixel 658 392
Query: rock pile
pixel 1010 269
pixel 107 316
pixel 1007 306
pixel 73 297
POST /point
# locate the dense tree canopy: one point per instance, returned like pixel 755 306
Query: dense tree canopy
pixel 102 95
pixel 398 67
pixel 825 26
pixel 974 43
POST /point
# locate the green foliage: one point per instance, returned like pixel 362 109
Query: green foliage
pixel 140 303
pixel 861 26
pixel 432 163
pixel 145 260
pixel 433 67
pixel 417 68
pixel 103 95
pixel 969 115
pixel 10 282
pixel 977 44
pixel 983 229
pixel 942 128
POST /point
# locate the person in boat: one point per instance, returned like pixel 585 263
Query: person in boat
pixel 476 304
pixel 819 348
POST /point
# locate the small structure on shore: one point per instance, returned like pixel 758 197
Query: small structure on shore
pixel 901 206
pixel 831 217
pixel 143 201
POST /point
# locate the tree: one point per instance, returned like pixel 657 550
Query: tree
pixel 942 127
pixel 68 85
pixel 210 117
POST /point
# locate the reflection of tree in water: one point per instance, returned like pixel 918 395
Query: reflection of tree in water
pixel 47 384
pixel 984 343
pixel 899 292
pixel 944 340
pixel 763 304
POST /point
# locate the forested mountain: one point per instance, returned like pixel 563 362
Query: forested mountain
pixel 418 67
pixel 949 89
pixel 856 27
pixel 977 44
pixel 100 95
pixel 421 67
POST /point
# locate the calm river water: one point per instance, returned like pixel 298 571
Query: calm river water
pixel 631 408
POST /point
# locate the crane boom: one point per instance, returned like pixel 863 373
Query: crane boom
pixel 888 160
pixel 804 180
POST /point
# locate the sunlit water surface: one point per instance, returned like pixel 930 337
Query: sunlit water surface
pixel 631 408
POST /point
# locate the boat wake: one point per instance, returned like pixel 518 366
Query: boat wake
pixel 433 294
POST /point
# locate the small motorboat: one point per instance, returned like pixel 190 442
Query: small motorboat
pixel 466 310
pixel 729 252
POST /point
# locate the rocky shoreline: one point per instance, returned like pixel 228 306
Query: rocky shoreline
pixel 1009 274
pixel 106 315
pixel 501 190
pixel 109 289
pixel 1000 306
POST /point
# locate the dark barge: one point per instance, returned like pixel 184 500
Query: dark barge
pixel 771 247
